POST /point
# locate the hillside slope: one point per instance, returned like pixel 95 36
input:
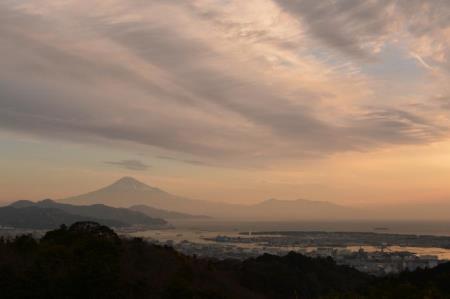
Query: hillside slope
pixel 97 211
pixel 45 218
pixel 165 214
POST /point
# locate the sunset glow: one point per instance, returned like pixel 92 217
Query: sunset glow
pixel 227 100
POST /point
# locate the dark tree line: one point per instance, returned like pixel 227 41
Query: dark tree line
pixel 88 260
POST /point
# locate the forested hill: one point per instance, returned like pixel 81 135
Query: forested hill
pixel 88 260
pixel 97 211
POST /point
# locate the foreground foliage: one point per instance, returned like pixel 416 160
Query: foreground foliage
pixel 88 260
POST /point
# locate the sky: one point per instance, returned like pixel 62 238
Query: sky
pixel 225 100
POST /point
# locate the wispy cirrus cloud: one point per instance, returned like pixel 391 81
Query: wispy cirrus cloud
pixel 216 80
pixel 360 29
pixel 188 161
pixel 130 164
pixel 356 28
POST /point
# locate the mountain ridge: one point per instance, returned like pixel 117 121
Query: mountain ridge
pixel 128 191
pixel 165 214
pixel 97 211
pixel 32 217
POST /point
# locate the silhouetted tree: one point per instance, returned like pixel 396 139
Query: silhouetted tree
pixel 88 260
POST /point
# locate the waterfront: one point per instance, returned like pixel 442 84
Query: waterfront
pixel 376 260
pixel 436 228
pixel 231 236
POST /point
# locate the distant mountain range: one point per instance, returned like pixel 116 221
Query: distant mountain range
pixel 128 192
pixel 44 218
pixel 134 203
pixel 123 193
pixel 164 214
pixel 65 213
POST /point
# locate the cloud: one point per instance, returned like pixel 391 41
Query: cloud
pixel 396 127
pixel 361 29
pixel 356 28
pixel 257 91
pixel 130 164
pixel 193 162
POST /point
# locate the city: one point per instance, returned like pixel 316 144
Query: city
pixel 361 255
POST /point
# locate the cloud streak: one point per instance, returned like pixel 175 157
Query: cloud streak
pixel 193 162
pixel 271 86
pixel 129 164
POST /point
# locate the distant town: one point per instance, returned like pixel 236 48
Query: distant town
pixel 374 253
pixel 367 252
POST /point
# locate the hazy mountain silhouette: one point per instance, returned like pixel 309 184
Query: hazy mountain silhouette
pixel 165 214
pixel 97 211
pixel 33 217
pixel 130 192
pixel 301 209
pixel 125 192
